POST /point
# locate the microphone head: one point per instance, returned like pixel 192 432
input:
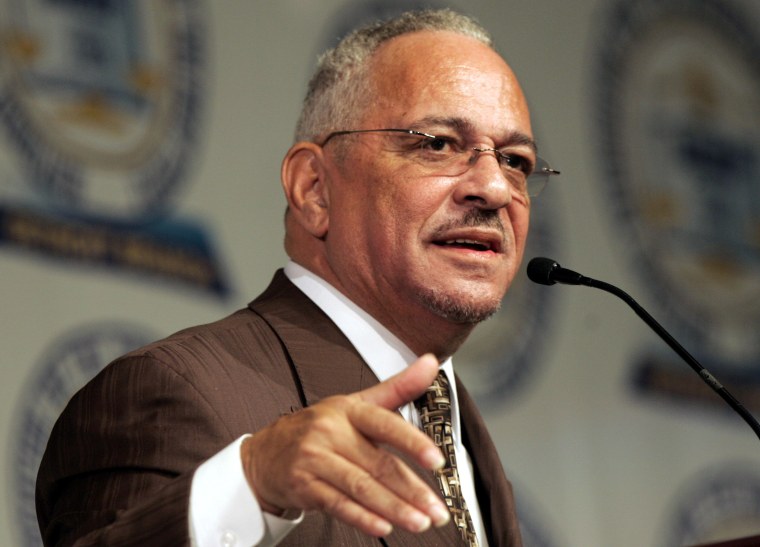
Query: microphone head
pixel 541 270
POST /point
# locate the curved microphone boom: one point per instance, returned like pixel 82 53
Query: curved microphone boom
pixel 546 271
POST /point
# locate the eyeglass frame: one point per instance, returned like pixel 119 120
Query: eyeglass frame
pixel 541 168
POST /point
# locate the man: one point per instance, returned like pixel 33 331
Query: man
pixel 407 217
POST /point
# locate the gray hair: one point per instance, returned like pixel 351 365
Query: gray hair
pixel 340 87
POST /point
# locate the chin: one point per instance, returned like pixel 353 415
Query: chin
pixel 459 308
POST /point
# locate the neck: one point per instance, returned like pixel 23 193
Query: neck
pixel 420 329
pixel 444 345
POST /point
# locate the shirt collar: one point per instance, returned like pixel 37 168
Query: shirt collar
pixel 383 352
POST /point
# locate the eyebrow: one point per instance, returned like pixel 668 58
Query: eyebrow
pixel 464 126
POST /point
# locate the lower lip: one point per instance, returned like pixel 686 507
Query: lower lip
pixel 468 251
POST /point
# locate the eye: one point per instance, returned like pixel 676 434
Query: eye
pixel 440 147
pixel 438 144
pixel 516 162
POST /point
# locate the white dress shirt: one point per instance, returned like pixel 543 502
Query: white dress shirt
pixel 223 510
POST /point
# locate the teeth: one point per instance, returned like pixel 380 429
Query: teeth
pixel 471 242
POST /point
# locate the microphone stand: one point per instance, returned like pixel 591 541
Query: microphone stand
pixel 546 271
pixel 703 373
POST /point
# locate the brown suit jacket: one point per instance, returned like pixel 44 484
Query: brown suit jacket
pixel 119 463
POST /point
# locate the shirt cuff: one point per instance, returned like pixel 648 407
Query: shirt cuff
pixel 224 511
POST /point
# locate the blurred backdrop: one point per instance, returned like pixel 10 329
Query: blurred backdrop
pixel 140 144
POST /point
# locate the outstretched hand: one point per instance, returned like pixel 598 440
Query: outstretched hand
pixel 328 457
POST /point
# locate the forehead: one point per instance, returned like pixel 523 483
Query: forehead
pixel 434 74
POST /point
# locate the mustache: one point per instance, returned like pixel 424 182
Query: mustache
pixel 475 218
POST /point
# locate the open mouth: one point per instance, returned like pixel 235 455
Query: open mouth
pixel 469 244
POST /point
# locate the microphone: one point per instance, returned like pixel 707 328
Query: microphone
pixel 546 271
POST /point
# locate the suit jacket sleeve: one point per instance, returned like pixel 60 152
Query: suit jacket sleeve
pixel 119 462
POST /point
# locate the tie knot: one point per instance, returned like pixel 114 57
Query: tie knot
pixel 434 405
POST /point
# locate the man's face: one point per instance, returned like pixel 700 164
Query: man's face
pixel 411 244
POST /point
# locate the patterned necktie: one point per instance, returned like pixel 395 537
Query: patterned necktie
pixel 435 411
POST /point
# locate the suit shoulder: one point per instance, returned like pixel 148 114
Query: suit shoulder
pixel 242 328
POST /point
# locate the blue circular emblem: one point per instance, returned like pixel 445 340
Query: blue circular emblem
pixel 101 102
pixel 677 101
pixel 723 503
pixel 66 366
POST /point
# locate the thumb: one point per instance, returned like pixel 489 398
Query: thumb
pixel 405 386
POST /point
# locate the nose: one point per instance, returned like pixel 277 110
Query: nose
pixel 484 185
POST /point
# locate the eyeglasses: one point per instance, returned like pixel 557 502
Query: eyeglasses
pixel 449 156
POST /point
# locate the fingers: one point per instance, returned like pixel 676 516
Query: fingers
pixel 386 492
pixel 314 461
pixel 387 427
pixel 334 502
pixel 378 424
pixel 333 457
pixel 405 386
pixel 390 486
pixel 360 515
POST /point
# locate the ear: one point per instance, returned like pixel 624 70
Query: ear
pixel 303 181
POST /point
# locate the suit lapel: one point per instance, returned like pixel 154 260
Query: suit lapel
pixel 325 363
pixel 492 487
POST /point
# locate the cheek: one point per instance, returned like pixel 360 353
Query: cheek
pixel 388 211
pixel 365 223
pixel 397 208
pixel 520 220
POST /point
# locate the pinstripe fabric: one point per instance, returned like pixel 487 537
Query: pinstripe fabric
pixel 119 463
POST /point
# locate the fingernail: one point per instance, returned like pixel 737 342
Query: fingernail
pixel 383 528
pixel 433 458
pixel 418 522
pixel 440 514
